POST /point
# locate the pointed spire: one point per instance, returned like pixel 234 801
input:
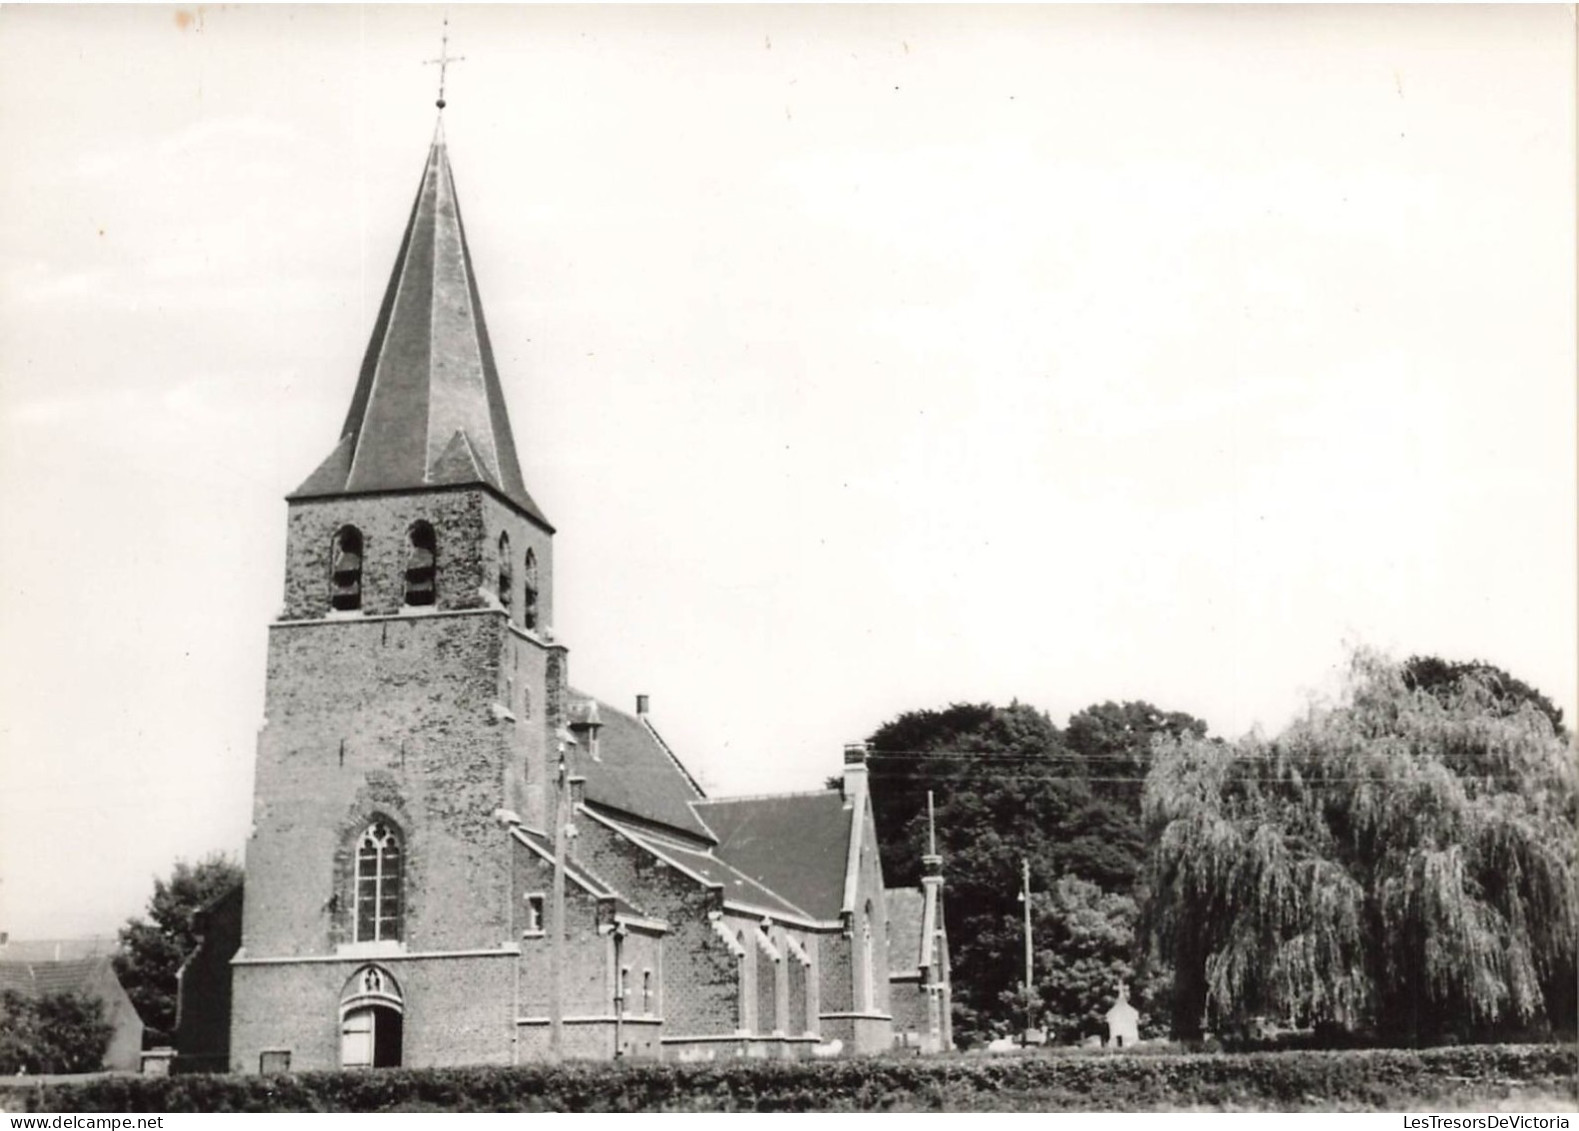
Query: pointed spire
pixel 428 409
pixel 931 863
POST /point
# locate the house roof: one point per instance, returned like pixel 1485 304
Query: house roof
pixel 57 950
pixel 704 866
pixel 428 409
pixel 797 844
pixel 77 975
pixel 637 774
pixel 906 912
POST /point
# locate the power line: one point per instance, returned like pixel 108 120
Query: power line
pixel 1309 780
pixel 1072 755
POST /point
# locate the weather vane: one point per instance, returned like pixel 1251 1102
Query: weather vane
pixel 444 60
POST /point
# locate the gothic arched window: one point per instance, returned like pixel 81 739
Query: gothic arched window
pixel 380 871
pixel 345 569
pixel 422 565
pixel 742 985
pixel 506 581
pixel 529 605
pixel 868 963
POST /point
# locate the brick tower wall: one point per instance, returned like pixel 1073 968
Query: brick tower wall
pixel 393 718
pixel 457 1011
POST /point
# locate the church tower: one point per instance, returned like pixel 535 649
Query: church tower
pixel 414 695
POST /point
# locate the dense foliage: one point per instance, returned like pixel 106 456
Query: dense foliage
pixel 1085 946
pixel 1385 1078
pixel 1505 694
pixel 1009 785
pixel 51 1033
pixel 153 949
pixel 1401 861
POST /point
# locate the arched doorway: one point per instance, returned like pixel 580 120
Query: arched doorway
pixel 372 1020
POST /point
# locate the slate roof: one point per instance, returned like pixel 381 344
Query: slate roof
pixel 794 843
pixel 57 950
pixel 428 409
pixel 737 886
pixel 637 774
pixel 34 979
pixel 906 910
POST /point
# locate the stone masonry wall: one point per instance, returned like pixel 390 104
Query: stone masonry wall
pixel 467 522
pixel 586 978
pixel 383 718
pixel 699 980
pixel 457 1011
pixel 836 975
pixel 911 1022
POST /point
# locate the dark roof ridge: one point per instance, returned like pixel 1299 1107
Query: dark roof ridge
pixel 766 796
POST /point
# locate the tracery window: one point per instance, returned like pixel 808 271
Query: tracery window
pixel 380 871
pixel 345 569
pixel 422 565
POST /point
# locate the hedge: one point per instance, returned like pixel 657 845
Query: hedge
pixel 1112 1081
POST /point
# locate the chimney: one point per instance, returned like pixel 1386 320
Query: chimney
pixel 641 706
pixel 854 785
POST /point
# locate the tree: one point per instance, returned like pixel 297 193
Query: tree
pixel 52 1033
pixel 1402 860
pixel 1085 946
pixel 1005 788
pixel 1445 678
pixel 1115 739
pixel 1009 787
pixel 153 949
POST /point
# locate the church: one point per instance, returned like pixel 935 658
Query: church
pixel 457 857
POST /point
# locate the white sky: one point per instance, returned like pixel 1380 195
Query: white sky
pixel 867 359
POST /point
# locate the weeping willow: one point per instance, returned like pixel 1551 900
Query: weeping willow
pixel 1397 860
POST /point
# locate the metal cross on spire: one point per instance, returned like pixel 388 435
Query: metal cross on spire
pixel 444 60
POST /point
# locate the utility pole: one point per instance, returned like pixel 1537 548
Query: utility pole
pixel 556 937
pixel 1030 979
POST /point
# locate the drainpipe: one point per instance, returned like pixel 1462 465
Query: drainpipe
pixel 619 990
